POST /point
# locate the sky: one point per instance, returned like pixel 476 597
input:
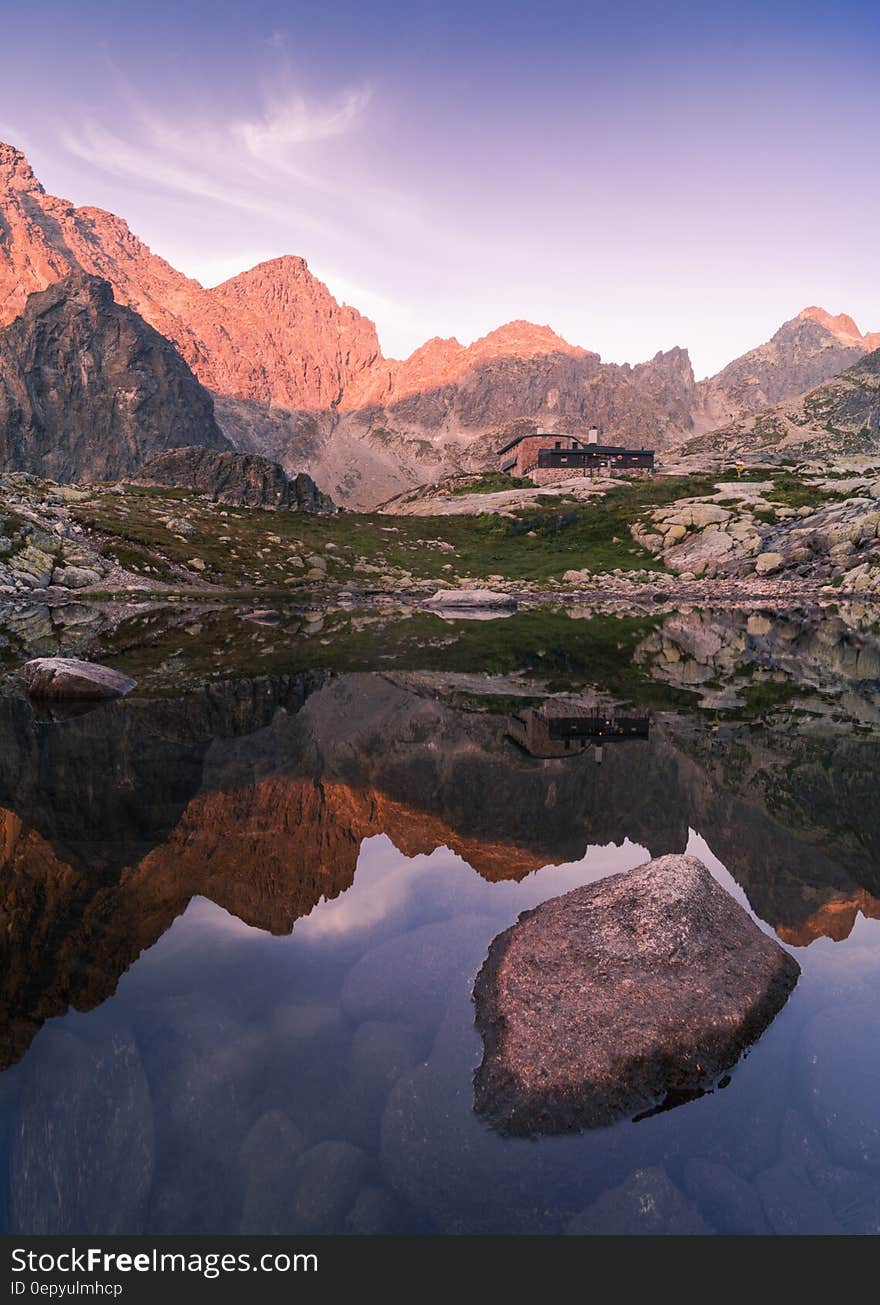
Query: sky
pixel 636 175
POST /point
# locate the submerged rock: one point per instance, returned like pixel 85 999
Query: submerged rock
pixel 82 1145
pixel 647 1204
pixel 621 997
pixel 70 678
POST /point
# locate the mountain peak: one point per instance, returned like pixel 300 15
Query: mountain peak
pixel 273 333
pixel 522 339
pixel 15 171
pixel 284 268
pixel 842 326
pixel 77 288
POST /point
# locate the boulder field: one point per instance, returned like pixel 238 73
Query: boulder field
pixel 836 543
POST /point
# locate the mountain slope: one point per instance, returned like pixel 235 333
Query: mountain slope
pixel 804 352
pixel 88 390
pixel 840 417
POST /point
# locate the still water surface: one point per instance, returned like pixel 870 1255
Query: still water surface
pixel 241 924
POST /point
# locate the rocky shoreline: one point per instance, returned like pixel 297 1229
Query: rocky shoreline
pixel 738 544
pixel 709 593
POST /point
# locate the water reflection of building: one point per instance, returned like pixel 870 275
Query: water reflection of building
pixel 547 733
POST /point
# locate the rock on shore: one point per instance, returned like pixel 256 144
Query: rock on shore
pixel 239 479
pixel 471 600
pixel 620 997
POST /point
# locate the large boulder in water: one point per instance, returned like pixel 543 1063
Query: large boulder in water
pixel 621 997
pixel 69 679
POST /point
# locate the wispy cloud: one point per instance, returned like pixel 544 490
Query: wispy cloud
pixel 291 175
pixel 222 190
pixel 247 163
pixel 292 122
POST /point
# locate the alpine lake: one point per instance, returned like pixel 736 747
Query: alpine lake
pixel 243 909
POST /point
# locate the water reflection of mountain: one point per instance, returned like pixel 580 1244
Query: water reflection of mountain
pixel 258 795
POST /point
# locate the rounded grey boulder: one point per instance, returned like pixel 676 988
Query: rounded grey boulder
pixel 621 997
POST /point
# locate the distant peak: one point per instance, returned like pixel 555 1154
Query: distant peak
pixel 520 329
pixel 15 171
pixel 842 325
pixel 283 268
pixel 522 339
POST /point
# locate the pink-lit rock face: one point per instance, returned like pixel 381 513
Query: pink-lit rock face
pixel 274 334
pixel 439 363
pixel 312 348
pixel 88 389
pixel 302 378
pixel 842 326
pixel 28 261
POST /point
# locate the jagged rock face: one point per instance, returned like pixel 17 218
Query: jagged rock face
pixel 559 390
pixel 242 479
pixel 451 425
pixel 803 353
pixel 841 416
pixel 310 385
pixel 88 390
pixel 313 349
pixel 843 326
pixel 274 335
pixel 439 363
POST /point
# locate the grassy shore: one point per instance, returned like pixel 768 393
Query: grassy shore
pixel 161 533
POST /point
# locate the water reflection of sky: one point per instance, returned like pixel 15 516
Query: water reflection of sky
pixel 232 1080
pixel 322 1082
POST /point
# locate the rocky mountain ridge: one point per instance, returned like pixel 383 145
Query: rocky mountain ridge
pixel 802 354
pixel 843 326
pixel 838 418
pixel 273 334
pixel 303 378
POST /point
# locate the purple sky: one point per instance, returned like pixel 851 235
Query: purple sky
pixel 637 175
